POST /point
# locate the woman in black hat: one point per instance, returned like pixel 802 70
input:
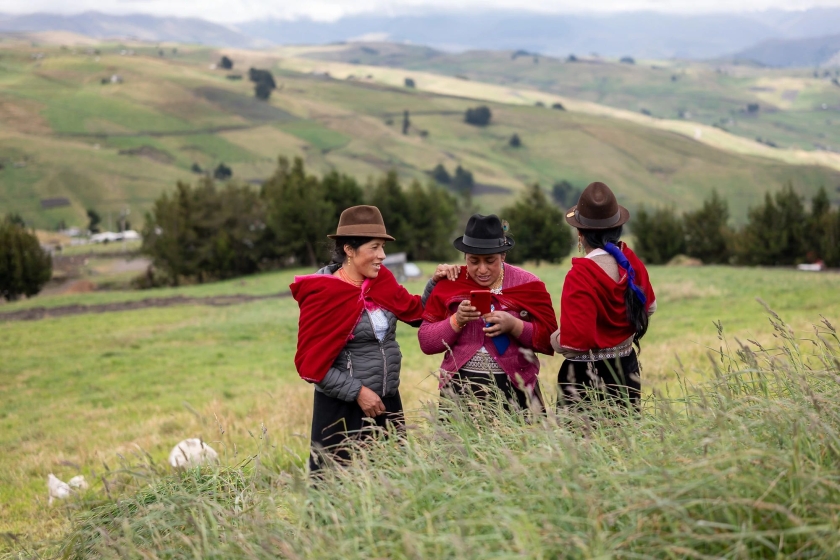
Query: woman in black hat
pixel 607 299
pixel 494 350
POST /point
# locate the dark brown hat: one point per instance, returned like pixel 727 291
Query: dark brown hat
pixel 361 221
pixel 597 208
pixel 484 235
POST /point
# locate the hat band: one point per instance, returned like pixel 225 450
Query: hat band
pixel 484 243
pixel 606 222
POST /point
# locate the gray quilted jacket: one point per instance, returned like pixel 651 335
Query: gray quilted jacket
pixel 365 360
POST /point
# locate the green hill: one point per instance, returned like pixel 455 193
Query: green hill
pixel 797 109
pixel 65 134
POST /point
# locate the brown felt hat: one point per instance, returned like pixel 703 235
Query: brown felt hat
pixel 597 208
pixel 361 221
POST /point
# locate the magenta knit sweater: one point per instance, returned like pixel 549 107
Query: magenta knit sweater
pixel 435 337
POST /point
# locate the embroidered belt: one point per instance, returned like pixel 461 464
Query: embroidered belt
pixel 482 362
pixel 598 355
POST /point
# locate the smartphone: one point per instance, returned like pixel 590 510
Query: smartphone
pixel 480 299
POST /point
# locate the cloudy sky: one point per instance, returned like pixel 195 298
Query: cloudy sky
pixel 242 10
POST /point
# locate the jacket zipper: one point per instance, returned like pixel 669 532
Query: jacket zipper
pixel 384 359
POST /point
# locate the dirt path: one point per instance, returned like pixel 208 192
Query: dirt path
pixel 37 313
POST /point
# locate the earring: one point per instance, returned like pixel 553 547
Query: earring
pixel 580 247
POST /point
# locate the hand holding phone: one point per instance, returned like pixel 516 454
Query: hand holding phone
pixel 480 299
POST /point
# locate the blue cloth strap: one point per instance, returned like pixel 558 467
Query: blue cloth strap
pixel 625 264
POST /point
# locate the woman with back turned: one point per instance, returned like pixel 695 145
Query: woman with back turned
pixel 347 341
pixel 607 299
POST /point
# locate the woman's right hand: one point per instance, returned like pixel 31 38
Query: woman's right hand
pixel 370 403
pixel 466 313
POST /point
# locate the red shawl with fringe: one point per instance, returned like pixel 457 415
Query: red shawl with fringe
pixel 530 296
pixel 330 309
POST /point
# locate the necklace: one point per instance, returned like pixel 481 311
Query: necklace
pixel 496 288
pixel 346 277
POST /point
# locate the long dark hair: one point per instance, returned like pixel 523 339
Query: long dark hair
pixel 636 312
pixel 337 249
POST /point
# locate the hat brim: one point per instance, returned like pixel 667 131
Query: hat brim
pixel 572 220
pixel 372 234
pixel 459 244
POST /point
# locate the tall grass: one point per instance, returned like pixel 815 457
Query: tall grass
pixel 745 466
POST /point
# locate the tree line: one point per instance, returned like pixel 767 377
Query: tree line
pixel 779 232
pixel 205 232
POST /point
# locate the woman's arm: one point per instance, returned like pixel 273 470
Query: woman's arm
pixel 435 337
pixel 340 385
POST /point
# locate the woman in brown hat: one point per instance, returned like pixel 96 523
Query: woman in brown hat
pixel 496 349
pixel 607 298
pixel 347 341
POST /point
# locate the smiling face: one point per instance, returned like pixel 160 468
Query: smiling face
pixel 367 259
pixel 485 269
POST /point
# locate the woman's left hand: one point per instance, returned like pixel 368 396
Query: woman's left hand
pixel 502 322
pixel 447 271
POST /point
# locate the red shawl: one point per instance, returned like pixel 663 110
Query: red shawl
pixel 330 309
pixel 593 314
pixel 530 296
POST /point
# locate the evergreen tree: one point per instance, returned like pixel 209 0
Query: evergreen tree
pixel 24 266
pixel 659 237
pixel 406 124
pixel 387 195
pixel 299 213
pixel 816 226
pixel 432 219
pixel 775 231
pixel 707 233
pixel 342 191
pixel 515 141
pixel 538 227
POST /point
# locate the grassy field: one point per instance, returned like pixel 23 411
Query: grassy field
pixel 80 393
pixel 112 146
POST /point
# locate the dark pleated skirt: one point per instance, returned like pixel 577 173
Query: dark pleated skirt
pixel 617 379
pixel 336 424
pixel 484 387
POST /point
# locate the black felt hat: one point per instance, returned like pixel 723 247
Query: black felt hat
pixel 484 235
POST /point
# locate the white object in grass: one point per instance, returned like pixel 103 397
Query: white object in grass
pixel 192 452
pixel 58 488
pixel 78 482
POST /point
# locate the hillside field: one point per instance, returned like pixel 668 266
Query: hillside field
pixel 65 134
pixel 80 392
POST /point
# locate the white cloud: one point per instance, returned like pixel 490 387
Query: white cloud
pixel 243 10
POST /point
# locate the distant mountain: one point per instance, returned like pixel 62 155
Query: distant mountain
pixel 639 34
pixel 142 27
pixel 820 51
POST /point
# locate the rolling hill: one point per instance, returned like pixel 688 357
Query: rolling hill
pixel 796 108
pixel 66 134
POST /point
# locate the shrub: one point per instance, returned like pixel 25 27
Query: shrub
pixel 222 172
pixel 478 116
pixel 409 82
pixel 558 106
pixel 515 141
pixel 627 60
pixel 441 175
pixel 24 266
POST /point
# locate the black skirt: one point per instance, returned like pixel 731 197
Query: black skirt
pixel 486 386
pixel 618 379
pixel 336 424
